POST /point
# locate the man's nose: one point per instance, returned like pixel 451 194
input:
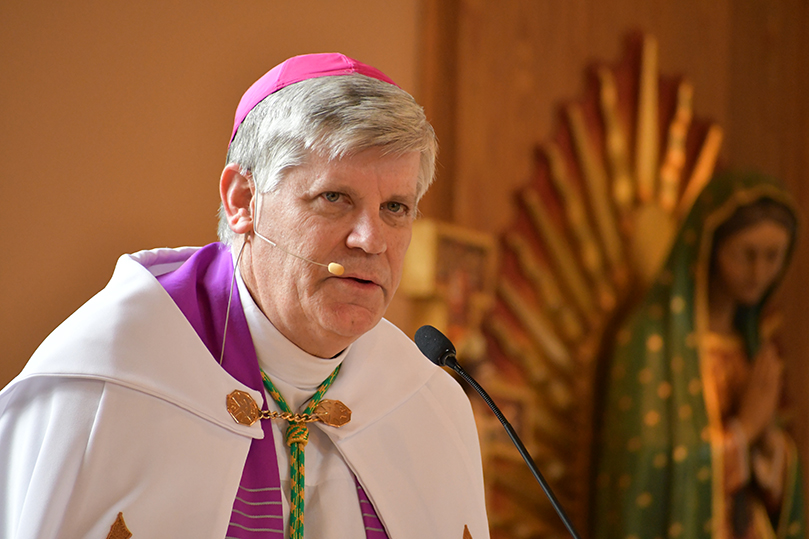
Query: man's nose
pixel 368 233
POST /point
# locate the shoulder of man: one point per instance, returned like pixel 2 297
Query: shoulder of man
pixel 132 334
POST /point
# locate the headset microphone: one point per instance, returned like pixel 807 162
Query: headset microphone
pixel 333 267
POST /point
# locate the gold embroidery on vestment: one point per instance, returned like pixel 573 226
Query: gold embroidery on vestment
pixel 118 530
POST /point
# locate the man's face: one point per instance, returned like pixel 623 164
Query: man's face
pixel 749 261
pixel 357 212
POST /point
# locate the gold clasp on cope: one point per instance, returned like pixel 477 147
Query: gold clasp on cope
pixel 244 411
pixel 333 413
pixel 242 408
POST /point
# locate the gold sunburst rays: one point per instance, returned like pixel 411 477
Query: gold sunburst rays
pixel 596 183
pixel 567 265
pixel 569 322
pixel 647 143
pixel 615 143
pixel 533 519
pixel 576 214
pixel 544 378
pixel 702 171
pixel 650 202
pixel 591 254
pixel 538 326
pixel 671 169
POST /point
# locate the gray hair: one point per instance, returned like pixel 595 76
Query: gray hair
pixel 334 116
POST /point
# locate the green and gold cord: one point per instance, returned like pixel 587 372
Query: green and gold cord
pixel 296 437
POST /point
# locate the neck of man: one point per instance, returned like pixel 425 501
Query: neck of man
pixel 323 346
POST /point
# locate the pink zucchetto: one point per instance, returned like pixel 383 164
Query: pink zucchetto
pixel 297 69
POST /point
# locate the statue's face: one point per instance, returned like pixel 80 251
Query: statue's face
pixel 748 261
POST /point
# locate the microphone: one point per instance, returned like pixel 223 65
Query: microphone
pixel 333 267
pixel 440 350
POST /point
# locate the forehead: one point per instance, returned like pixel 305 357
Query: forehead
pixel 369 169
pixel 765 233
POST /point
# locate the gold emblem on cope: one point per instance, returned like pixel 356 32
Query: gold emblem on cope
pixel 242 408
pixel 333 413
pixel 118 530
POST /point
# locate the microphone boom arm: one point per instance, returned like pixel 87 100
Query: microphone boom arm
pixel 454 365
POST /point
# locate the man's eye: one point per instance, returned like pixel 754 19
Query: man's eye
pixel 331 196
pixel 396 207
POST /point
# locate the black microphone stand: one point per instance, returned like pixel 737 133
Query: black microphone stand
pixel 452 362
pixel 440 350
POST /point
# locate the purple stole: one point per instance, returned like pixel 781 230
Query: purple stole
pixel 200 288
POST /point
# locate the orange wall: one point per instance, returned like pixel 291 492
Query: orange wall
pixel 115 121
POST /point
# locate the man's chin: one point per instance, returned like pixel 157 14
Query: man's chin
pixel 352 321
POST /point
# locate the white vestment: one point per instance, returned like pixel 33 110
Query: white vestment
pixel 122 410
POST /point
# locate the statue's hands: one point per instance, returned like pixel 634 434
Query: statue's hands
pixel 761 396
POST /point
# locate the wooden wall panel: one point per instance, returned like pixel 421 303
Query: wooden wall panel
pixel 437 90
pixel 768 129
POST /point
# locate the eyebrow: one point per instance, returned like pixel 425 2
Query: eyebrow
pixel 343 186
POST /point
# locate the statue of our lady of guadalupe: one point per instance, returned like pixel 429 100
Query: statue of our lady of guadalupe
pixel 691 442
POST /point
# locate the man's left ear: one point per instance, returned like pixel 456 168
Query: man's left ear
pixel 236 192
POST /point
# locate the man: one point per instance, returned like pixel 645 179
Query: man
pixel 249 387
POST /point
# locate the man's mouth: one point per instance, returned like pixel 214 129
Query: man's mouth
pixel 360 280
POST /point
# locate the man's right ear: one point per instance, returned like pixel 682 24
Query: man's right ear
pixel 236 191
